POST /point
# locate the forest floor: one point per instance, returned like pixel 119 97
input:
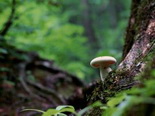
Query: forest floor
pixel 28 81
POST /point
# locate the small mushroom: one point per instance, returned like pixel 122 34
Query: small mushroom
pixel 103 63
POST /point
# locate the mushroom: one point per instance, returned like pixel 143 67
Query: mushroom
pixel 103 62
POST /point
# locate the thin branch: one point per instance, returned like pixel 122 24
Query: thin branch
pixel 9 22
pixel 47 91
pixel 22 76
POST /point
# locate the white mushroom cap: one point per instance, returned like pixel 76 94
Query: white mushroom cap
pixel 102 61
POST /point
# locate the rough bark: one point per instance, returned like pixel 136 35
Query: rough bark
pixel 131 31
pixel 143 24
pixel 139 46
pixel 138 22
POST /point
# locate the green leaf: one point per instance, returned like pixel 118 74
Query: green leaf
pixel 153 73
pixel 127 104
pixel 61 114
pixel 66 108
pixel 134 91
pixel 81 112
pixel 50 112
pixel 109 111
pixel 36 110
pixel 97 104
pixel 150 83
pixel 4 51
pixel 61 107
pixel 116 100
pixel 4 69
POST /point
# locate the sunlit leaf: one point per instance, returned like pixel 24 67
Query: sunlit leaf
pixel 116 100
pixel 153 73
pixel 65 108
pixel 84 110
pixel 50 112
pixel 96 104
pixel 36 110
pixel 61 114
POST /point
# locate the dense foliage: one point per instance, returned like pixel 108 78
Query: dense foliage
pixel 57 30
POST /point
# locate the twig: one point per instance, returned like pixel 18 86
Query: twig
pixel 9 22
pixel 47 91
pixel 75 79
pixel 22 80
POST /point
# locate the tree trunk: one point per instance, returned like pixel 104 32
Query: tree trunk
pixel 139 46
pixel 88 25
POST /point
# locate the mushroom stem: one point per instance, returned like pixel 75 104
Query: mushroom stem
pixel 104 72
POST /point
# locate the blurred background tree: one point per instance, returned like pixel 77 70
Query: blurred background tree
pixel 69 32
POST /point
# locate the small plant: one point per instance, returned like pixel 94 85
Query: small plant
pixel 58 111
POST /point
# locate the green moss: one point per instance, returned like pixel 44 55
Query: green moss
pixel 94 112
